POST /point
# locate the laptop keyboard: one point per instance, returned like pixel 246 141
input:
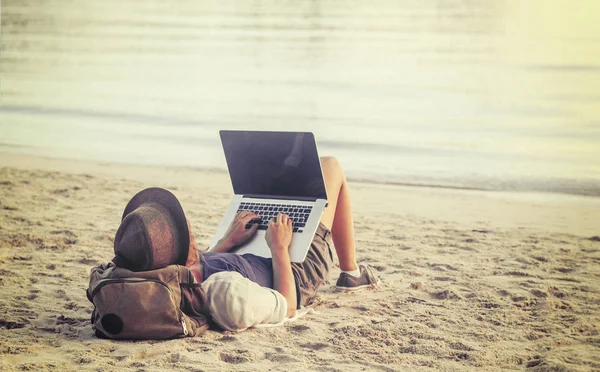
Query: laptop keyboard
pixel 298 213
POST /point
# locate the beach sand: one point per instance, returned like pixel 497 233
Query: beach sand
pixel 470 280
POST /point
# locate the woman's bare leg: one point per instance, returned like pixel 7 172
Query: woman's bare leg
pixel 338 214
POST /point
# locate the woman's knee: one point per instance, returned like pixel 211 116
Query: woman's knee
pixel 331 165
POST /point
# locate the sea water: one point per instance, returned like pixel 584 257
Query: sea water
pixel 499 95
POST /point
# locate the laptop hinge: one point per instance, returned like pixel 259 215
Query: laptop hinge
pixel 280 197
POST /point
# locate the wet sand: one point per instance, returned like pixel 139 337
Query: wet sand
pixel 470 280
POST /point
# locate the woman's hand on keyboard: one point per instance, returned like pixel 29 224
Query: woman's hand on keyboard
pixel 279 234
pixel 242 228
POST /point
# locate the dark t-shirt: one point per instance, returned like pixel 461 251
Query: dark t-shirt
pixel 256 268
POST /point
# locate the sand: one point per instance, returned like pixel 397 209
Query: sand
pixel 470 280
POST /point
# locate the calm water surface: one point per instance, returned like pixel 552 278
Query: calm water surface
pixel 471 93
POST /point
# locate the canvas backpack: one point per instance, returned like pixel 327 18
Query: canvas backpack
pixel 157 304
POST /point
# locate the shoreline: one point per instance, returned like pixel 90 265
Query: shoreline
pixel 354 179
pixel 561 213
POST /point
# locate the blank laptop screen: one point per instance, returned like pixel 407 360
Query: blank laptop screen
pixel 274 163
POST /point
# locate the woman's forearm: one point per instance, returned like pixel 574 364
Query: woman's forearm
pixel 222 246
pixel 283 280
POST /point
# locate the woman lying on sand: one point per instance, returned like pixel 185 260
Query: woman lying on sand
pixel 295 284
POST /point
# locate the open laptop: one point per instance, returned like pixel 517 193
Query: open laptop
pixel 271 173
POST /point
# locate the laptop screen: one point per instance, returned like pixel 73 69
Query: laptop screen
pixel 284 164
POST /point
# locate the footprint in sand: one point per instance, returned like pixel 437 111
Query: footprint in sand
pixel 300 328
pixel 565 270
pixel 557 293
pixel 64 232
pixel 379 268
pixel 538 293
pixel 82 360
pixel 504 293
pixel 12 324
pixel 462 356
pixel 177 358
pixel 446 295
pixel 236 356
pixel 417 286
pixel 280 358
pixel 523 261
pixel 460 346
pixel 61 319
pixel 441 267
pixel 519 298
pixel 103 238
pixel 516 273
pixel 21 258
pixel 228 339
pixel 61 192
pixel 444 279
pixel 87 261
pixel 315 346
pixel 73 306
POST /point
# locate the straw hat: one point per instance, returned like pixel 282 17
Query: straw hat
pixel 153 232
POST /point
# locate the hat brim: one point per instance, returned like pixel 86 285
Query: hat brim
pixel 170 202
